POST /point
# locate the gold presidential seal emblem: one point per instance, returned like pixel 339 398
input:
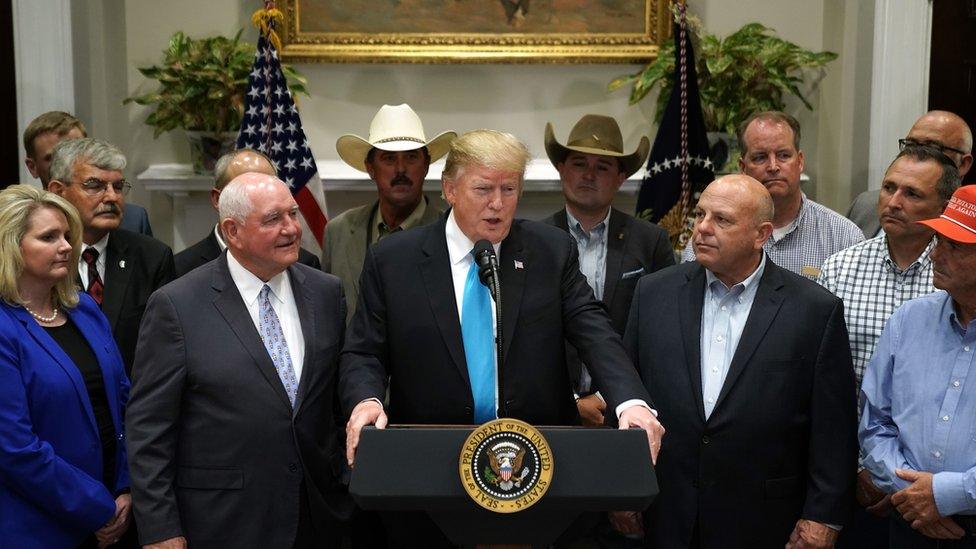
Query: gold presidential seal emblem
pixel 506 465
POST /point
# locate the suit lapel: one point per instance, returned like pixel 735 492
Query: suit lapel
pixel 45 341
pixel 690 313
pixel 764 308
pixel 306 314
pixel 355 251
pixel 616 244
pixel 230 304
pixel 436 272
pixel 117 269
pixel 513 281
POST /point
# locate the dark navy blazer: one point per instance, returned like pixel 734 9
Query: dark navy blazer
pixel 51 494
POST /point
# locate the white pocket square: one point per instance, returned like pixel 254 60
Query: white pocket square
pixel 632 274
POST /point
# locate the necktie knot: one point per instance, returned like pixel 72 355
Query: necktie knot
pixel 265 291
pixel 90 255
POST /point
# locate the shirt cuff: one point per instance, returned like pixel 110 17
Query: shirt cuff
pixel 949 491
pixel 633 402
pixel 374 399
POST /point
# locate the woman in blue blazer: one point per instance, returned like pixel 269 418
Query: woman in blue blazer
pixel 63 473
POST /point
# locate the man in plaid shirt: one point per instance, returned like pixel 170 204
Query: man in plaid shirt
pixel 876 276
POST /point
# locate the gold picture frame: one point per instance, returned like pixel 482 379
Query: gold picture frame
pixel 487 31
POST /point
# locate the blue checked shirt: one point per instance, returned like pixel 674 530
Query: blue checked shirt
pixel 817 233
pixel 919 403
pixel 872 287
pixel 592 248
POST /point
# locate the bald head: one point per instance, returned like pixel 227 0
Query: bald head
pixel 949 131
pixel 733 220
pixel 239 162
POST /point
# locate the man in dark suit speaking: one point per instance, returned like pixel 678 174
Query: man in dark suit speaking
pixel 232 438
pixel 425 321
pixel 749 366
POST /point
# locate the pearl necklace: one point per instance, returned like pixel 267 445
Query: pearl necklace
pixel 44 319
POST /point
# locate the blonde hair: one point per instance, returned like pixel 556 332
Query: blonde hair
pixel 488 149
pixel 17 204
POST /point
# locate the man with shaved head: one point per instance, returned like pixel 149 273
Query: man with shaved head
pixel 233 387
pixel 752 375
pixel 227 168
pixel 943 130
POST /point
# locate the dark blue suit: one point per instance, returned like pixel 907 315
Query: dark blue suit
pixel 51 494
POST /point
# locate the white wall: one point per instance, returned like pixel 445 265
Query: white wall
pixel 116 37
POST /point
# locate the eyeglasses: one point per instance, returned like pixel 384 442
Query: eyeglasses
pixel 96 187
pixel 907 142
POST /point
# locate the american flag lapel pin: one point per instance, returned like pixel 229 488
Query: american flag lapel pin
pixel 121 263
pixel 519 265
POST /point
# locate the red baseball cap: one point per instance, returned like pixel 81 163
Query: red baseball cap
pixel 958 221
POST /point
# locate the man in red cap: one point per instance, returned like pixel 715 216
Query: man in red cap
pixel 919 393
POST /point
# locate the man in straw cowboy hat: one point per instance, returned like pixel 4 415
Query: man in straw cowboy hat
pixel 919 395
pixel 615 249
pixel 396 155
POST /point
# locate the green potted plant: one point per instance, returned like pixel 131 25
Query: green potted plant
pixel 748 71
pixel 202 87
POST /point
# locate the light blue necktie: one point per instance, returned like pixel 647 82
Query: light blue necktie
pixel 274 342
pixel 479 346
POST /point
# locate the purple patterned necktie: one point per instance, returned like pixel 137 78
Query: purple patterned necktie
pixel 274 342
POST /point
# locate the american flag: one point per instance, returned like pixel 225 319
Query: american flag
pixel 271 125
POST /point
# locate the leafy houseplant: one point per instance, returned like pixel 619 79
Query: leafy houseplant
pixel 202 87
pixel 748 71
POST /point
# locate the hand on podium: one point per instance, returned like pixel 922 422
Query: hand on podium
pixel 367 412
pixel 640 416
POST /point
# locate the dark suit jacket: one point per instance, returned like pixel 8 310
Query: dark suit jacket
pixel 136 219
pixel 864 212
pixel 406 326
pixel 780 443
pixel 135 266
pixel 51 491
pixel 634 248
pixel 208 249
pixel 217 453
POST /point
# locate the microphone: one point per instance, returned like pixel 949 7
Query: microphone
pixel 484 256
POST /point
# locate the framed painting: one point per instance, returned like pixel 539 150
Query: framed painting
pixel 473 31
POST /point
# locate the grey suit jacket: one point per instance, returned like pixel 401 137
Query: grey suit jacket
pixel 218 453
pixel 864 212
pixel 344 247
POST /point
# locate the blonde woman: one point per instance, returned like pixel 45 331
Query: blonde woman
pixel 63 473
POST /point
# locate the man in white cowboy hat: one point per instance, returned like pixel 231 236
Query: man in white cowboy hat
pixel 615 249
pixel 396 156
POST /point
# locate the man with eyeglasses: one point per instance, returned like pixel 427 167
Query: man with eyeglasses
pixel 118 268
pixel 805 233
pixel 943 130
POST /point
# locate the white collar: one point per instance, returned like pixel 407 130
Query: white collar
pixel 99 246
pixel 250 285
pixel 459 246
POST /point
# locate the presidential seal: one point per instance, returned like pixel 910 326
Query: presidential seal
pixel 506 465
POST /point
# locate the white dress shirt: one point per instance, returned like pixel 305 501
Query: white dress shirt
pixel 282 301
pixel 100 247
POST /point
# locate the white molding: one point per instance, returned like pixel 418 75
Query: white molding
pixel 43 60
pixel 900 77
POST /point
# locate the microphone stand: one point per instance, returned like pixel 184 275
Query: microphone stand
pixel 489 276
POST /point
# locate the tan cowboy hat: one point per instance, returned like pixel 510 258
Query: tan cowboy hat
pixel 595 134
pixel 394 128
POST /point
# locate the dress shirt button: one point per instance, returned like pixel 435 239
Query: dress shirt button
pixel 955 383
pixel 120 436
pixel 937 454
pixel 945 418
pixel 725 308
pixel 719 338
pixel 711 401
pixel 292 467
pixel 715 369
pixel 966 348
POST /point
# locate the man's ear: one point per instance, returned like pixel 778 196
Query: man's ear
pixel 229 230
pixel 31 166
pixel 56 187
pixel 215 198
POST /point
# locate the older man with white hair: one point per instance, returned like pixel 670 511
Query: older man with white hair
pixel 233 387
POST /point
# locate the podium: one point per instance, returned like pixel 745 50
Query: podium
pixel 415 468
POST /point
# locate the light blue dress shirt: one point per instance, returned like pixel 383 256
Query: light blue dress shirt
pixel 592 247
pixel 919 403
pixel 724 314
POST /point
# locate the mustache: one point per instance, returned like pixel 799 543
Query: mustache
pixel 401 180
pixel 109 208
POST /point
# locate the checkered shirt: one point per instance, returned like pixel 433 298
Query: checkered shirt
pixel 872 287
pixel 817 233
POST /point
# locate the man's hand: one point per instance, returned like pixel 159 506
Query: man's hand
pixel 868 495
pixel 591 408
pixel 171 543
pixel 882 508
pixel 118 524
pixel 639 416
pixel 627 522
pixel 916 504
pixel 811 534
pixel 367 412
